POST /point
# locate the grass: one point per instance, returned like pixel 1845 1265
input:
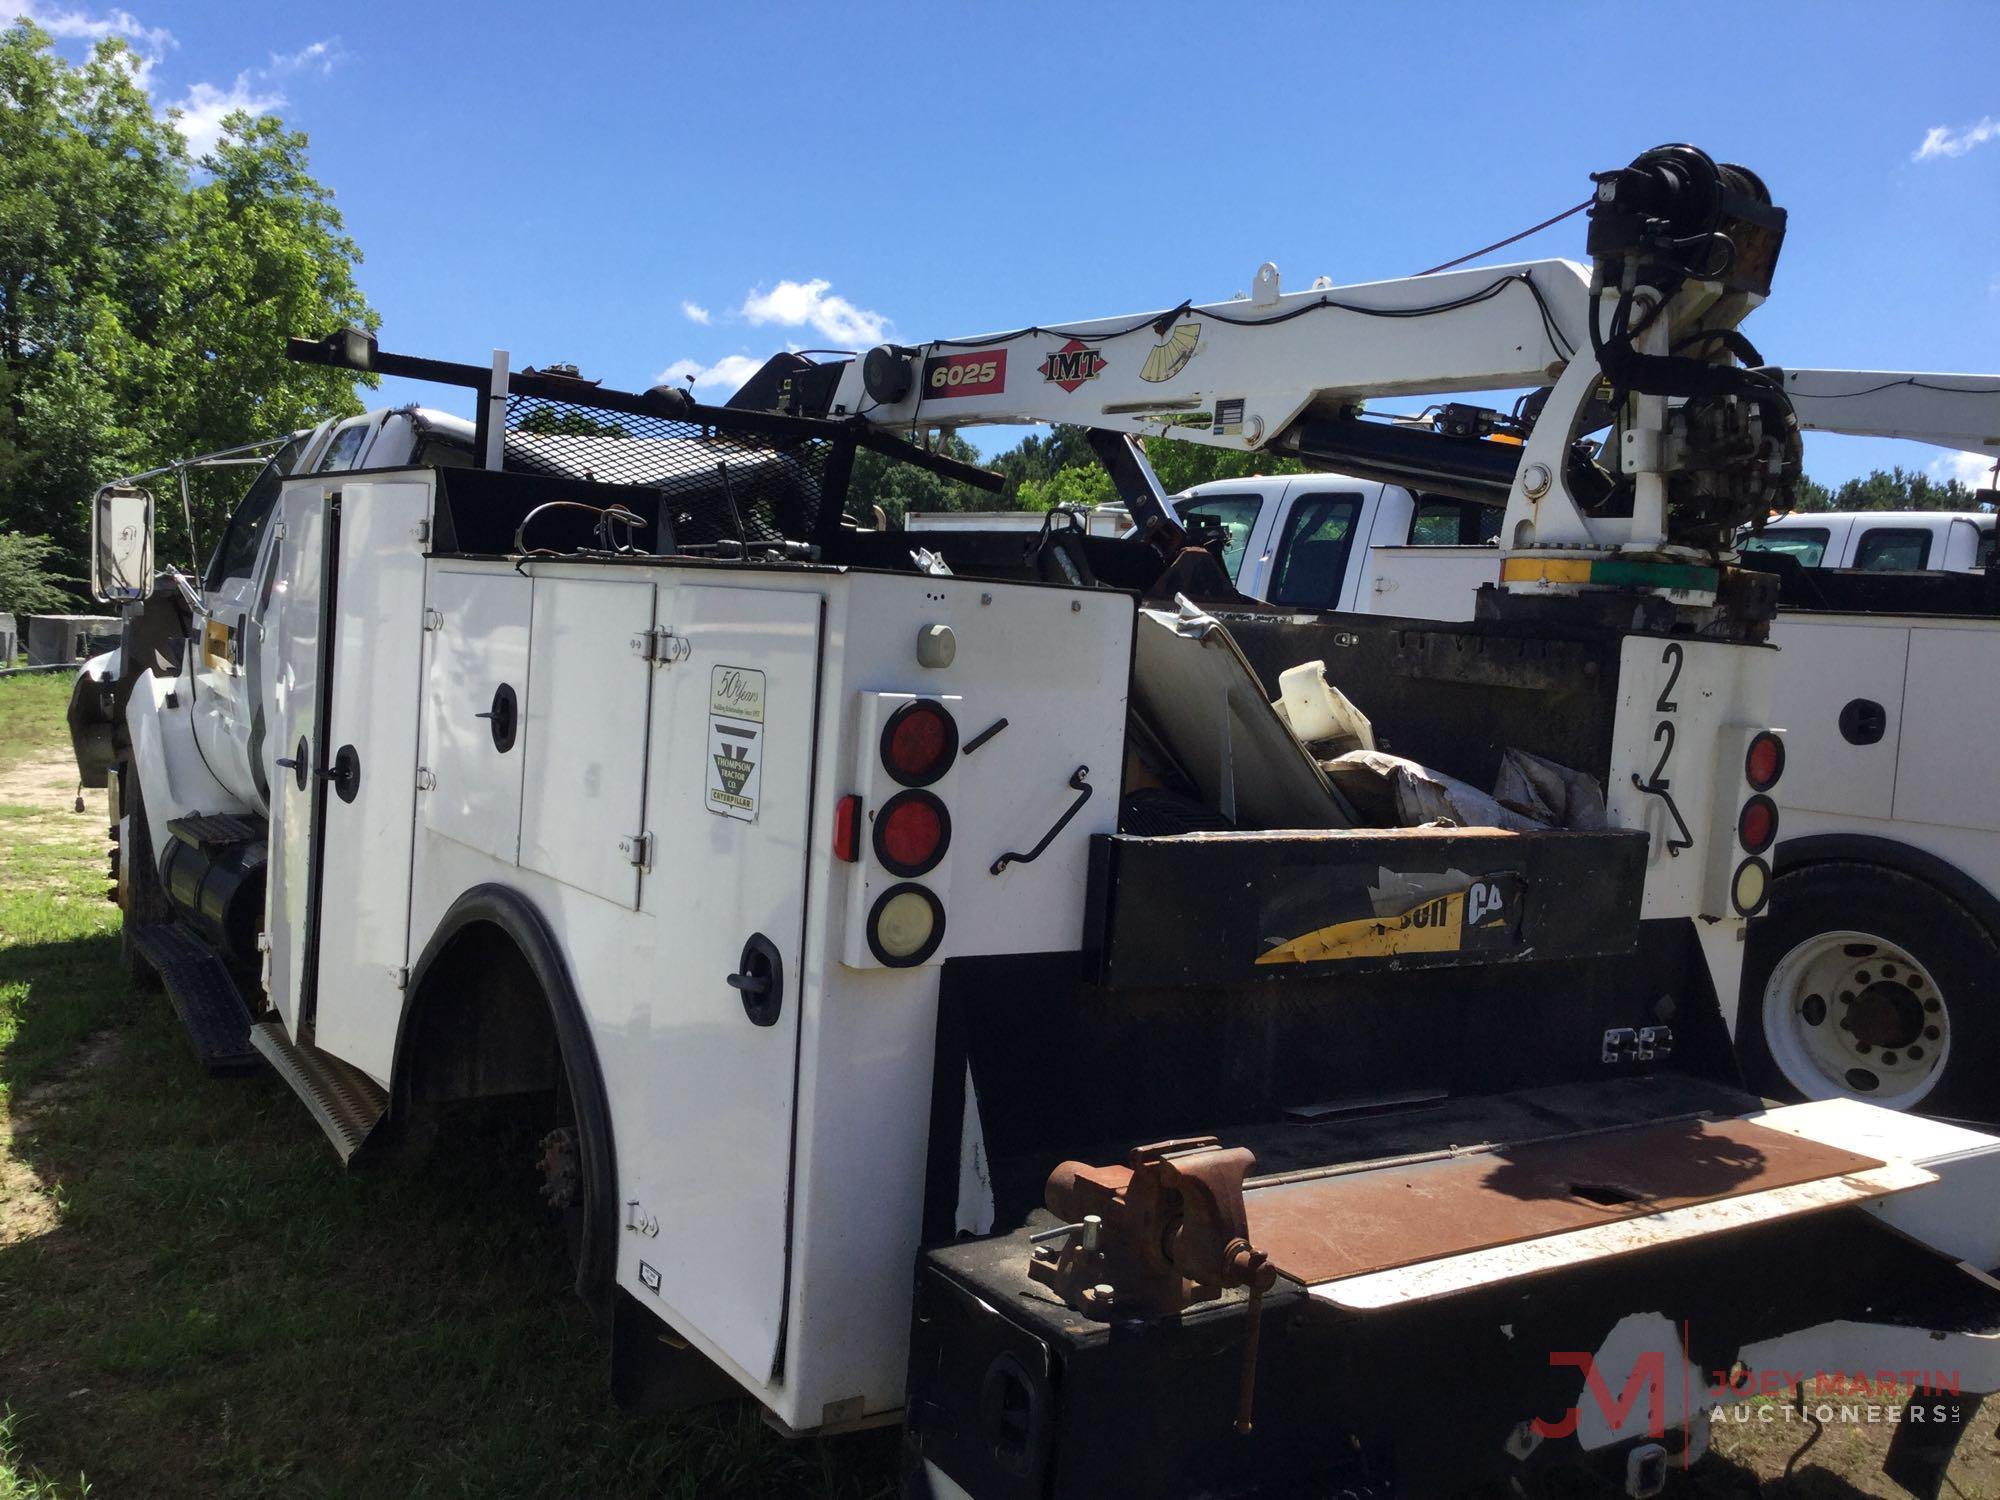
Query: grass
pixel 196 1301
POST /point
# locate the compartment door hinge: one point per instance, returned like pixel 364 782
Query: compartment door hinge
pixel 638 848
pixel 660 646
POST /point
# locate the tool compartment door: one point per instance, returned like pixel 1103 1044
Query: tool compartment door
pixel 728 804
pixel 374 688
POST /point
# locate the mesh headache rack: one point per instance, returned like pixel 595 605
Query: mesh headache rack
pixel 728 481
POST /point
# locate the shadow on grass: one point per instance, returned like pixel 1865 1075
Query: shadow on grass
pixel 215 1308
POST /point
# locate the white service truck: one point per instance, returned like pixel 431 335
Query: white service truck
pixel 951 993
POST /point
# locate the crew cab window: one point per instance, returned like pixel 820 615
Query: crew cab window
pixel 1982 556
pixel 1893 549
pixel 1312 552
pixel 1806 543
pixel 344 449
pixel 236 554
pixel 1442 521
pixel 1235 514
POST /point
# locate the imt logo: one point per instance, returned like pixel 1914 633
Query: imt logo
pixel 1071 365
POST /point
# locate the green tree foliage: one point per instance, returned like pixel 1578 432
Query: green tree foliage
pixel 145 298
pixel 1888 489
pixel 896 488
pixel 29 584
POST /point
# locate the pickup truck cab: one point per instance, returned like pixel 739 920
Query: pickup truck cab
pixel 1898 541
pixel 1328 542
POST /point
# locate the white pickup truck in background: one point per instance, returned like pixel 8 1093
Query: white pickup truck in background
pixel 1876 974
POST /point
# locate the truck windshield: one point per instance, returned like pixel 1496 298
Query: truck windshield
pixel 1235 514
pixel 1806 543
pixel 236 553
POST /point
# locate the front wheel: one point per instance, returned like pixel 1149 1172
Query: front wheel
pixel 1865 983
pixel 141 897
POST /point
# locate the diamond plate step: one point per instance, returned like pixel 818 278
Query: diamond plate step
pixel 212 1012
pixel 208 830
pixel 346 1102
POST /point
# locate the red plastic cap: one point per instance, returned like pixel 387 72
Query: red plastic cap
pixel 847 828
pixel 1765 762
pixel 919 742
pixel 911 833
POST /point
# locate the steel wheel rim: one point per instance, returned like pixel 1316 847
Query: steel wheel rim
pixel 1845 1007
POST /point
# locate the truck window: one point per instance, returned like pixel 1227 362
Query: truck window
pixel 236 554
pixel 1893 549
pixel 1806 543
pixel 1312 553
pixel 345 447
pixel 1442 521
pixel 1982 555
pixel 1235 514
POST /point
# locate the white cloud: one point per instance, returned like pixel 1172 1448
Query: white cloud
pixel 318 57
pixel 1942 140
pixel 1973 470
pixel 694 312
pixel 731 370
pixel 149 41
pixel 199 114
pixel 797 304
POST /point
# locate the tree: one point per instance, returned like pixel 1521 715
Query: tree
pixel 28 584
pixel 1888 489
pixel 896 487
pixel 144 298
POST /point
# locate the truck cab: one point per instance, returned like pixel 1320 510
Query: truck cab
pixel 1330 542
pixel 1894 541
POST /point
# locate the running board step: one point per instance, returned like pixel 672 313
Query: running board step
pixel 204 996
pixel 347 1103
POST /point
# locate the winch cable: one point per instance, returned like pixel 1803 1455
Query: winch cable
pixel 1511 239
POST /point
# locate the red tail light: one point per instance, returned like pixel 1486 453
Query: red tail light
pixel 1757 824
pixel 919 742
pixel 1765 762
pixel 911 833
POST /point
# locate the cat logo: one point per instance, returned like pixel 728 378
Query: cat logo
pixel 1071 365
pixel 1171 354
pixel 1484 914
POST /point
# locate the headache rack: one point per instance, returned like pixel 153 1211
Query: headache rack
pixel 695 479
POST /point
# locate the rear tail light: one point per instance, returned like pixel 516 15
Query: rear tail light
pixel 905 926
pixel 1751 887
pixel 1757 824
pixel 1765 762
pixel 911 833
pixel 919 742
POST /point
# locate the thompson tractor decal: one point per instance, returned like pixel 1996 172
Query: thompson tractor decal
pixel 1171 354
pixel 1484 912
pixel 1071 365
pixel 981 373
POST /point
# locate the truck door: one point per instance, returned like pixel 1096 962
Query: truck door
pixel 350 631
pixel 728 806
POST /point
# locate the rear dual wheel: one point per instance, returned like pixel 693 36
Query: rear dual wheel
pixel 1866 983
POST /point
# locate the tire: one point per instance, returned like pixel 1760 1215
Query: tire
pixel 141 897
pixel 1865 983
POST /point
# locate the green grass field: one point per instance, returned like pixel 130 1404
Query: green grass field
pixel 196 1301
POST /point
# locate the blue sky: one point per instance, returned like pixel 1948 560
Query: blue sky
pixel 579 182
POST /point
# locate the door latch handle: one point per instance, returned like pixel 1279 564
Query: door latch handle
pixel 1080 780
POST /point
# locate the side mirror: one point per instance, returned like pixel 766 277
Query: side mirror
pixel 121 543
